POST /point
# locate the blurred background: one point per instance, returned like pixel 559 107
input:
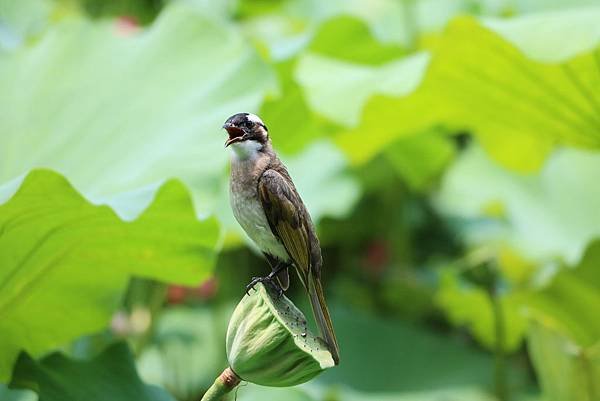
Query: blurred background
pixel 446 149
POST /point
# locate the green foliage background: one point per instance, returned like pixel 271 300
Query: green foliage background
pixel 447 149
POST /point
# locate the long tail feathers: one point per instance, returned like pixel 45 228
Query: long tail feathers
pixel 322 318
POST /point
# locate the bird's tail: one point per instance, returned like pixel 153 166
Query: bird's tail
pixel 322 318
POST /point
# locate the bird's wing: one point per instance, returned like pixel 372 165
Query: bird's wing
pixel 290 223
pixel 285 214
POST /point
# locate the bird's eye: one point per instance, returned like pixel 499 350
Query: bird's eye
pixel 248 124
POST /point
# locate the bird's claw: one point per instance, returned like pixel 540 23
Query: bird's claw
pixel 253 282
pixel 267 279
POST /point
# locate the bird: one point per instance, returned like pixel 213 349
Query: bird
pixel 268 207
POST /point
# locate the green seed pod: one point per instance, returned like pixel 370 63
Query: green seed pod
pixel 268 342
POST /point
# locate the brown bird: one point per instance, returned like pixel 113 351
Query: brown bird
pixel 267 205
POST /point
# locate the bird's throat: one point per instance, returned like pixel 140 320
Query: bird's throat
pixel 248 149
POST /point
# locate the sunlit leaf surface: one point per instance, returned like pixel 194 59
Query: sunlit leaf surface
pixel 338 89
pixel 549 215
pixel 485 81
pixel 64 262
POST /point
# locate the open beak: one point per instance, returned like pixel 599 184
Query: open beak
pixel 235 134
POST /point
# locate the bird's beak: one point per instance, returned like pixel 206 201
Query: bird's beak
pixel 235 133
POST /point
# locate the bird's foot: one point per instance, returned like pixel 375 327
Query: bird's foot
pixel 253 282
pixel 270 279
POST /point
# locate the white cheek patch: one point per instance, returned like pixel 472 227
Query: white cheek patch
pixel 246 149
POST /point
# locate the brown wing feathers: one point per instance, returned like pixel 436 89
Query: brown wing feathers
pixel 283 212
pixel 290 222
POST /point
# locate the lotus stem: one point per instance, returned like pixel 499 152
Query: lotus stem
pixel 223 384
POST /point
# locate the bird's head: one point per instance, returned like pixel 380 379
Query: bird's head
pixel 246 129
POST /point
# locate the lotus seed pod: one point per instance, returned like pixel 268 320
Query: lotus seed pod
pixel 268 342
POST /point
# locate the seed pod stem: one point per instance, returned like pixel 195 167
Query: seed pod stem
pixel 223 384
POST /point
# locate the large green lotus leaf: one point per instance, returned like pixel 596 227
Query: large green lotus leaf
pixel 530 6
pixel 478 79
pixel 291 120
pixel 430 16
pixel 337 79
pixel 288 114
pixel 401 22
pixel 338 89
pixel 119 112
pixel 349 39
pixel 547 215
pixel 277 35
pixel 109 376
pixel 65 262
pixel 564 337
pixel 287 28
pixel 368 32
pixel 383 122
pixel 381 16
pixel 543 37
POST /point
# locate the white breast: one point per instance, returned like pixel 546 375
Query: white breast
pixel 249 213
